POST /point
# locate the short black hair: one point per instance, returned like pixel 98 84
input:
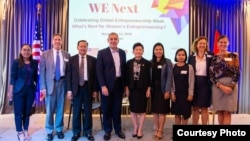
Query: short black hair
pixel 137 44
pixel 180 49
pixel 82 41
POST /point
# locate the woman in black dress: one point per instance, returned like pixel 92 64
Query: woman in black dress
pixel 138 88
pixel 184 88
pixel 162 78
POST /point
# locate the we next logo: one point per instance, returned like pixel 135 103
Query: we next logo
pixel 112 8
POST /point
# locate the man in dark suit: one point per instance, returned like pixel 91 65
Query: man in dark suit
pixel 111 67
pixel 81 86
pixel 52 86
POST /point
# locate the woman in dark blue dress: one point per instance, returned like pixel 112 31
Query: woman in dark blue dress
pixel 183 88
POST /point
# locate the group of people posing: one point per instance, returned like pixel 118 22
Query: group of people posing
pixel 185 88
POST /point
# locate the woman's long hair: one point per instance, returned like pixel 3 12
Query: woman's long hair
pixel 20 59
pixel 154 61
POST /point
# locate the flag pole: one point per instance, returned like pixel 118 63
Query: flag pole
pixel 217 31
pixel 36 55
pixel 39 7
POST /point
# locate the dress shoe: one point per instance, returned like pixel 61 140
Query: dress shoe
pixel 60 135
pixel 120 135
pixel 106 136
pixel 49 137
pixel 21 136
pixel 90 137
pixel 159 135
pixel 27 136
pixel 134 135
pixel 139 137
pixel 75 137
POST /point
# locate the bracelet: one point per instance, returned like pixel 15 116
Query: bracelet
pixel 218 84
pixel 232 85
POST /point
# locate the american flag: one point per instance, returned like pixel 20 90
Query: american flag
pixel 37 48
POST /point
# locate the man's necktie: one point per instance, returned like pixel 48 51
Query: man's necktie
pixel 58 73
pixel 81 72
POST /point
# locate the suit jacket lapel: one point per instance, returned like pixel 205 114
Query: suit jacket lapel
pixel 109 54
pixel 76 64
pixel 120 55
pixel 207 64
pixel 51 57
pixel 194 60
pixel 64 58
pixel 89 64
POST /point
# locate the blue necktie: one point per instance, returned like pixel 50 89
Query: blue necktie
pixel 58 73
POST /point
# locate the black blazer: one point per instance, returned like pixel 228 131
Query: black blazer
pixel 72 74
pixel 192 61
pixel 145 77
pixel 19 75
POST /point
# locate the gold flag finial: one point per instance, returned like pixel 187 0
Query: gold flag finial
pixel 39 7
pixel 217 13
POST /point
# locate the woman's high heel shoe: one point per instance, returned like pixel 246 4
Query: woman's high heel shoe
pixel 155 133
pixel 27 136
pixel 159 135
pixel 21 136
pixel 134 135
pixel 139 136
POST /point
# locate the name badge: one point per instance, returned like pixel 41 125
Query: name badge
pixel 159 66
pixel 209 56
pixel 228 59
pixel 66 60
pixel 184 72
